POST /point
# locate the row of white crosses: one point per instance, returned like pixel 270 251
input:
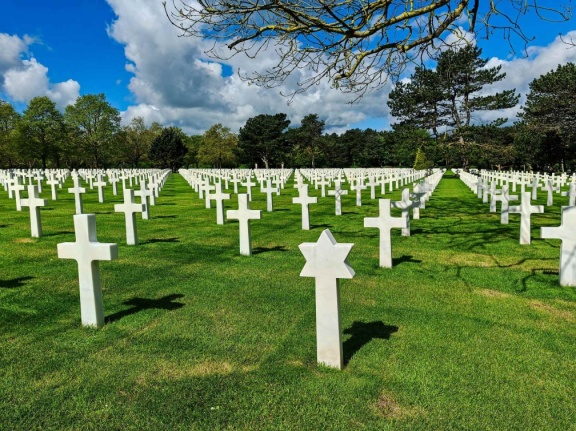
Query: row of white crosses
pixel 566 232
pixel 326 262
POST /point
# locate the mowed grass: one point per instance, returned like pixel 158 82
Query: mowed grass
pixel 468 331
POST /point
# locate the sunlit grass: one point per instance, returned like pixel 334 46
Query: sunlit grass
pixel 469 330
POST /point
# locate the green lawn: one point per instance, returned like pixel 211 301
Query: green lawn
pixel 468 331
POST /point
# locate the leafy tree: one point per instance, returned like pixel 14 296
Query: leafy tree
pixel 168 149
pixel 193 144
pixel 306 140
pixel 138 140
pixel 41 131
pixel 404 142
pixel 421 162
pixel 355 44
pixel 9 119
pixel 262 139
pixel 218 147
pixel 96 122
pixel 550 111
pixel 335 151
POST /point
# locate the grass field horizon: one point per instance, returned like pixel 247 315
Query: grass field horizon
pixel 468 330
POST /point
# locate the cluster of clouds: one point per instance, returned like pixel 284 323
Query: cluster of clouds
pixel 175 83
pixel 22 77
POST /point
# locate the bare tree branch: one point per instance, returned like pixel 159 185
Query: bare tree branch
pixel 356 45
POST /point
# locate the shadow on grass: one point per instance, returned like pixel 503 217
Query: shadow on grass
pixel 325 226
pixel 62 232
pixel 361 334
pixel 155 240
pixel 15 282
pixel 259 250
pixel 168 216
pixel 141 304
pixel 404 259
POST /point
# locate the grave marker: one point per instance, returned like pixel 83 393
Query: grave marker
pixel 34 202
pixel 384 222
pixel 566 232
pixel 305 200
pixel 87 251
pixel 326 262
pixel 244 214
pixel 525 209
pixel 129 208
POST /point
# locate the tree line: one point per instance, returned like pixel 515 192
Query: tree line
pixel 437 125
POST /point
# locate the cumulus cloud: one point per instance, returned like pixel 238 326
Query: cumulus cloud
pixel 173 75
pixel 175 83
pixel 521 71
pixel 22 79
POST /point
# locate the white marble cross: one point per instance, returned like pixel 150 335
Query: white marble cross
pixel 17 188
pixel 326 262
pixel 100 184
pixel 34 202
pixel 77 191
pixel 405 204
pixel 525 209
pixel 385 222
pixel 244 214
pixel 323 182
pixel 566 232
pixel 338 193
pixel 269 190
pixel 372 183
pixel 505 199
pixel 87 251
pixel 207 187
pixel 305 200
pixel 571 193
pixel 53 182
pixel 143 194
pixel 249 184
pixel 219 197
pixel 129 208
pixel 358 187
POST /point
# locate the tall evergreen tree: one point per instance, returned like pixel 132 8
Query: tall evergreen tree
pixel 551 110
pixel 445 100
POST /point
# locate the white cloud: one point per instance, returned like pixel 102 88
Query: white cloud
pixel 174 75
pixel 23 79
pixel 521 71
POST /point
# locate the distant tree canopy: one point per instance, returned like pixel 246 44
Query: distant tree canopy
pixel 261 140
pixel 218 147
pixel 168 149
pixel 355 45
pixel 436 128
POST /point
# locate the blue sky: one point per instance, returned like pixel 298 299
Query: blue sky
pixel 127 50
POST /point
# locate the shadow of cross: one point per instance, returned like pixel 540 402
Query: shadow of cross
pixel 15 282
pixel 140 304
pixel 362 333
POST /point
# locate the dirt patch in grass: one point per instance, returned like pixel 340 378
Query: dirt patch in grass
pixel 23 240
pixel 493 293
pixel 389 408
pixel 167 370
pixel 547 308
